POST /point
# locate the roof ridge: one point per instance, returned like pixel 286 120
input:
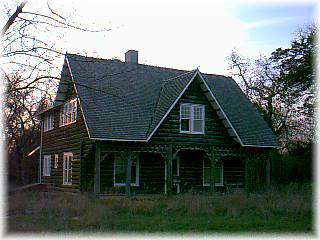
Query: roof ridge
pixel 216 75
pixel 175 77
pixel 141 64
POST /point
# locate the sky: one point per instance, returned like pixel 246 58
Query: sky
pixel 180 34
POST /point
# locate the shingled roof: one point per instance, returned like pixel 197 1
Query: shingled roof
pixel 128 101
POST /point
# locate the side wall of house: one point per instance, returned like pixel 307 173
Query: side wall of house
pixel 64 139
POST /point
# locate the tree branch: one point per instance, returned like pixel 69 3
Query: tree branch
pixel 13 17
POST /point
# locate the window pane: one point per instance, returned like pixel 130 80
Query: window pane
pixel 49 165
pixel 68 112
pixel 44 166
pixel 65 114
pixel 45 124
pixel 185 125
pixel 75 110
pixel 120 174
pixel 69 169
pixel 217 176
pixel 50 121
pixel 61 119
pixel 198 112
pixel 73 116
pixel 185 111
pixel 120 169
pixel 133 170
pixel 206 175
pixel 206 162
pixel 66 173
pixel 198 125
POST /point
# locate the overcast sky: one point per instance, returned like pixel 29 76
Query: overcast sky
pixel 182 34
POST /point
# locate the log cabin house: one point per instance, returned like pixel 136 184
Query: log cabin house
pixel 123 127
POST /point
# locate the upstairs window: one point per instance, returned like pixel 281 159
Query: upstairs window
pixel 192 118
pixel 48 122
pixel 68 113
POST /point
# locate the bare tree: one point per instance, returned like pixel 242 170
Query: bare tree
pixel 30 69
pixel 27 49
pixel 281 88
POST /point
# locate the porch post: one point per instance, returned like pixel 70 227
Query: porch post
pixel 128 174
pixel 97 168
pixel 169 171
pixel 268 167
pixel 213 160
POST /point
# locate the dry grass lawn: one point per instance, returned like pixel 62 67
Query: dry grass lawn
pixel 284 210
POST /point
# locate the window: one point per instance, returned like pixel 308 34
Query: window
pixel 48 122
pixel 68 113
pixel 218 173
pixel 56 159
pixel 191 118
pixel 67 168
pixel 46 167
pixel 120 169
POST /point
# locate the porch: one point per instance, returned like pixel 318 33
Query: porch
pixel 165 169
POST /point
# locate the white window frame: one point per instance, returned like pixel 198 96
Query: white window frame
pixel 68 113
pixel 67 156
pixel 216 183
pixel 48 122
pixel 56 160
pixel 136 184
pixel 192 109
pixel 46 166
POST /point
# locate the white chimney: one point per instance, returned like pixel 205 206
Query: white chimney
pixel 131 56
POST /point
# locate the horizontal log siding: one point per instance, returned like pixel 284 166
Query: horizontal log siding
pixel 64 139
pixel 215 132
pixel 234 171
pixel 191 171
pixel 152 176
pixel 106 172
pixel 87 165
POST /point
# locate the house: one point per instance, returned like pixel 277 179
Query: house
pixel 124 127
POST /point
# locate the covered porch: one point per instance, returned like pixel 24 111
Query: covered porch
pixel 165 169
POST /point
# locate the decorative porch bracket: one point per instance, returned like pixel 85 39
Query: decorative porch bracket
pixel 97 168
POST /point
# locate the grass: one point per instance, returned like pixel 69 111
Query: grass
pixel 282 210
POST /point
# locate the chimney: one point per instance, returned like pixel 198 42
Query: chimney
pixel 132 56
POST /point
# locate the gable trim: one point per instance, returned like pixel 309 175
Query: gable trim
pixel 78 97
pixel 174 103
pixel 223 113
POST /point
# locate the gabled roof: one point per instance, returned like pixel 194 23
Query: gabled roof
pixel 128 102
